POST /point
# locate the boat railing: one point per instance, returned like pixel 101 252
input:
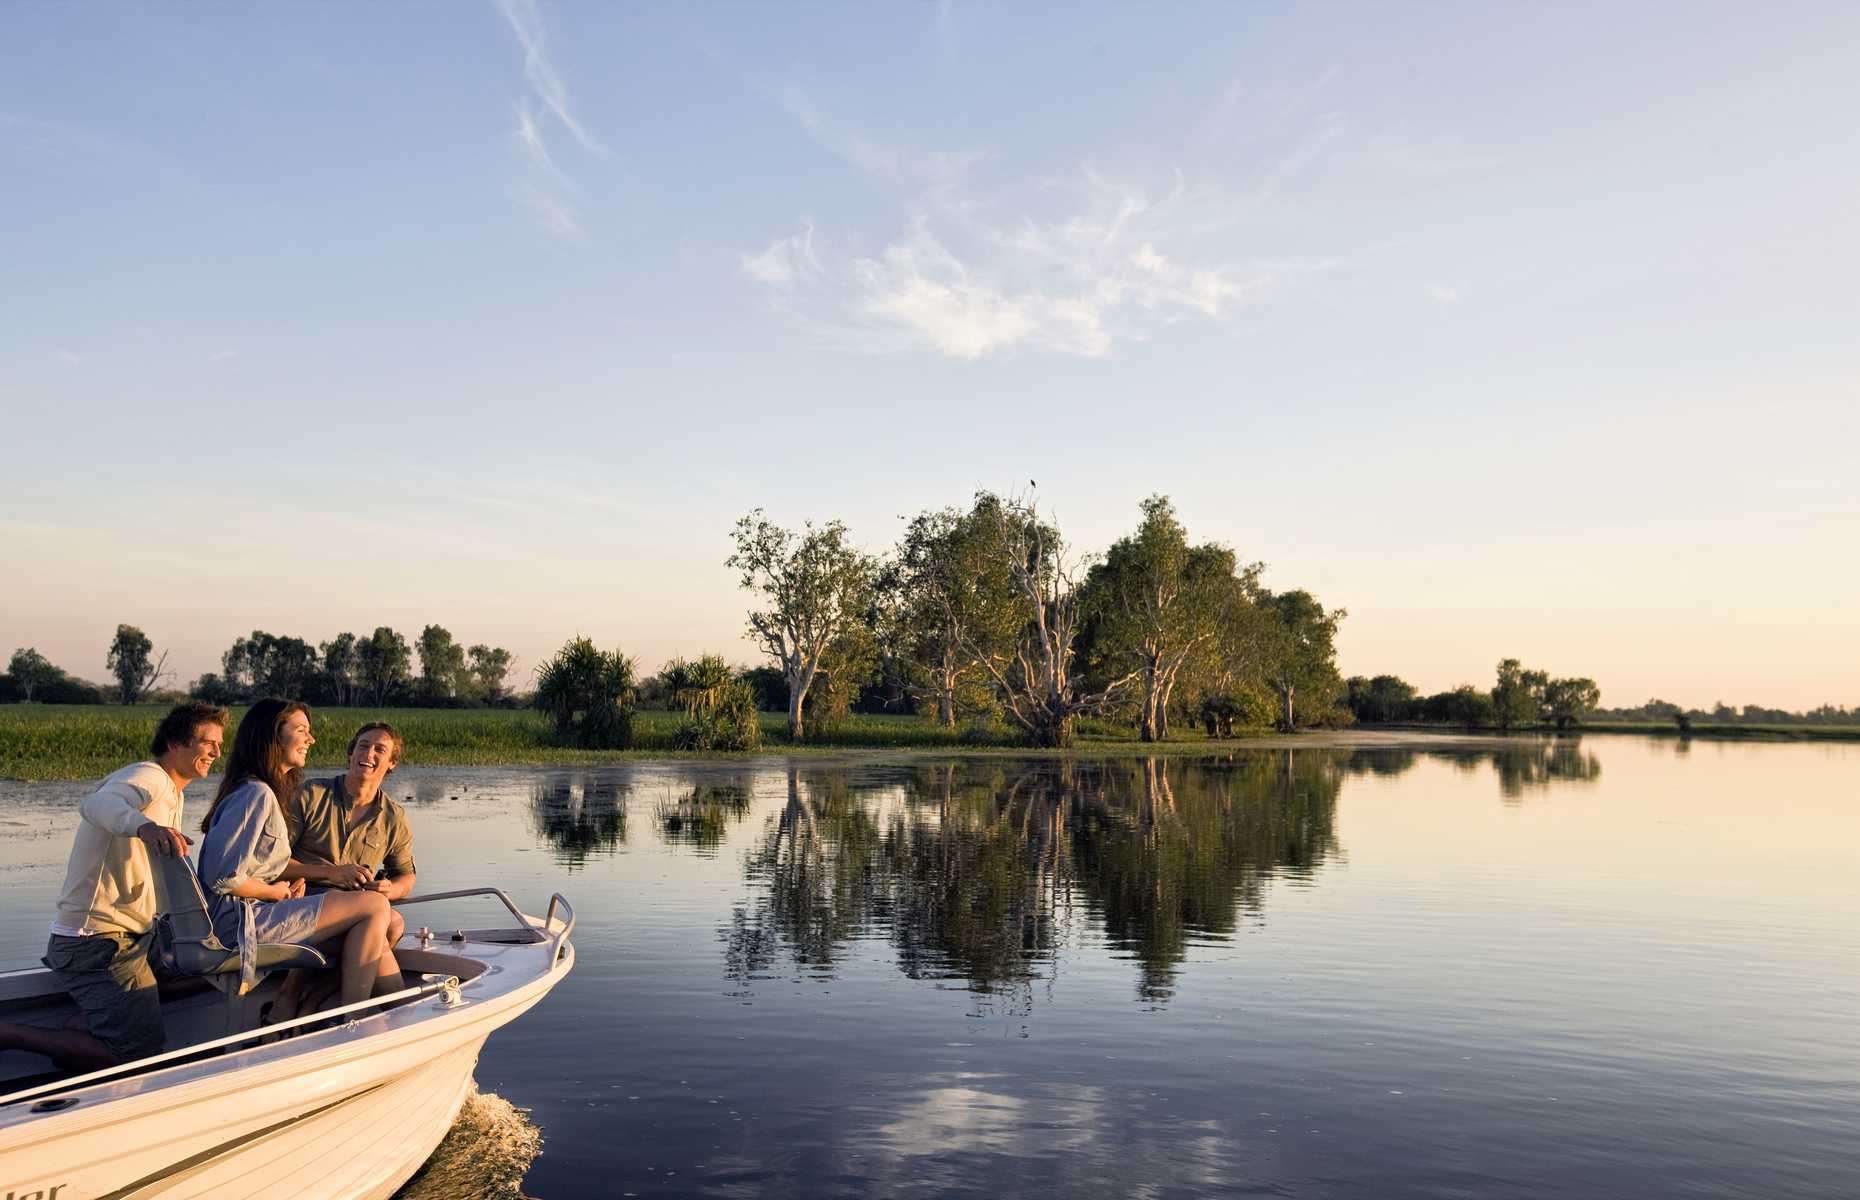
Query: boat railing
pixel 523 922
pixel 558 900
pixel 430 988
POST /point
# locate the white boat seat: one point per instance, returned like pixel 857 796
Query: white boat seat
pixel 185 943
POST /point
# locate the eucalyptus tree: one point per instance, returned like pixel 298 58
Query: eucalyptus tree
pixel 953 600
pixel 1301 653
pixel 341 660
pixel 817 589
pixel 1566 700
pixel 1154 602
pixel 385 662
pixel 1036 674
pixel 131 661
pixel 489 669
pixel 442 663
pixel 32 672
pixel 1382 699
pixel 265 664
pixel 1518 694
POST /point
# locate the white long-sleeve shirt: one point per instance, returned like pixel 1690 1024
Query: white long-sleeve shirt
pixel 108 885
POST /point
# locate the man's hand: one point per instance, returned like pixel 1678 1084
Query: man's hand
pixel 170 843
pixel 349 876
pixel 384 886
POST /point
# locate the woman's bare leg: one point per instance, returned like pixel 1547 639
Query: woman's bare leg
pixel 362 919
pixel 388 978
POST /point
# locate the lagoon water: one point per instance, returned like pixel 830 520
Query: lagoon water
pixel 1612 967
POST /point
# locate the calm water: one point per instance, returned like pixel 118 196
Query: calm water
pixel 1613 967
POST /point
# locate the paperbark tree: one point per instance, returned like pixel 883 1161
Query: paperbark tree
pixel 1302 653
pixel 1154 602
pixel 816 587
pixel 950 593
pixel 1036 677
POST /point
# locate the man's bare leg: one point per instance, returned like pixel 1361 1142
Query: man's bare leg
pixel 75 1048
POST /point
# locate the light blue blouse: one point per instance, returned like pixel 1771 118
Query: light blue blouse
pixel 247 840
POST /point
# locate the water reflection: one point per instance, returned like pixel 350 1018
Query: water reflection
pixel 1522 765
pixel 702 814
pixel 971 869
pixel 579 813
pixel 815 865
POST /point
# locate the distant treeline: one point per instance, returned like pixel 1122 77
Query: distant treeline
pixel 980 616
pixel 1519 698
pixel 346 670
pixel 1721 713
pixel 1522 698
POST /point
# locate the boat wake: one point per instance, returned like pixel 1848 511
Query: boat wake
pixel 486 1154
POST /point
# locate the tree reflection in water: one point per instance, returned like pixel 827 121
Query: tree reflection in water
pixel 580 813
pixel 980 870
pixel 974 869
pixel 814 867
pixel 1523 765
pixel 703 814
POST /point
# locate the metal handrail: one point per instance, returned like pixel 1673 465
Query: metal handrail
pixel 263 1031
pixel 555 900
pixel 461 893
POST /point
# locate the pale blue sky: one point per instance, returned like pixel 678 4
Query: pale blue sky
pixel 1516 330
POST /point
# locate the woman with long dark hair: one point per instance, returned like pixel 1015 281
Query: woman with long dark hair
pixel 246 848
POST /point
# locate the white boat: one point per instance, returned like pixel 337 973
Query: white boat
pixel 348 1107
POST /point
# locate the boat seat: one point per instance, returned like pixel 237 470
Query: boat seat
pixel 185 943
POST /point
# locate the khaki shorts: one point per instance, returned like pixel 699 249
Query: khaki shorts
pixel 108 976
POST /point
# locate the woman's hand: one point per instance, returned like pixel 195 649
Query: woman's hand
pixel 294 890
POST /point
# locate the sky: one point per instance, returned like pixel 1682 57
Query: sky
pixel 1515 330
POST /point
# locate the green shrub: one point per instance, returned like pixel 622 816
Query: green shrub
pixel 720 709
pixel 589 694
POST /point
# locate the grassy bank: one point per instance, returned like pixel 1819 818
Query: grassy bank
pixel 49 741
pixel 46 741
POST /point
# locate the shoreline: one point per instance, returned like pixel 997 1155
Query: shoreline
pixel 68 744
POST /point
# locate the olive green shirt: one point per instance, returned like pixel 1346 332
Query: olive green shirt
pixel 317 818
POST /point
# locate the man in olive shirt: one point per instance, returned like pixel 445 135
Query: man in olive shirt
pixel 346 832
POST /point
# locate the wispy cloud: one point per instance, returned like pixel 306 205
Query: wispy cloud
pixel 1441 293
pixel 786 262
pixel 68 355
pixel 542 185
pixel 222 355
pixel 875 157
pixel 1072 266
pixel 1076 264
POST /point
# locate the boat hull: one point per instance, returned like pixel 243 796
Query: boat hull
pixel 349 1113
